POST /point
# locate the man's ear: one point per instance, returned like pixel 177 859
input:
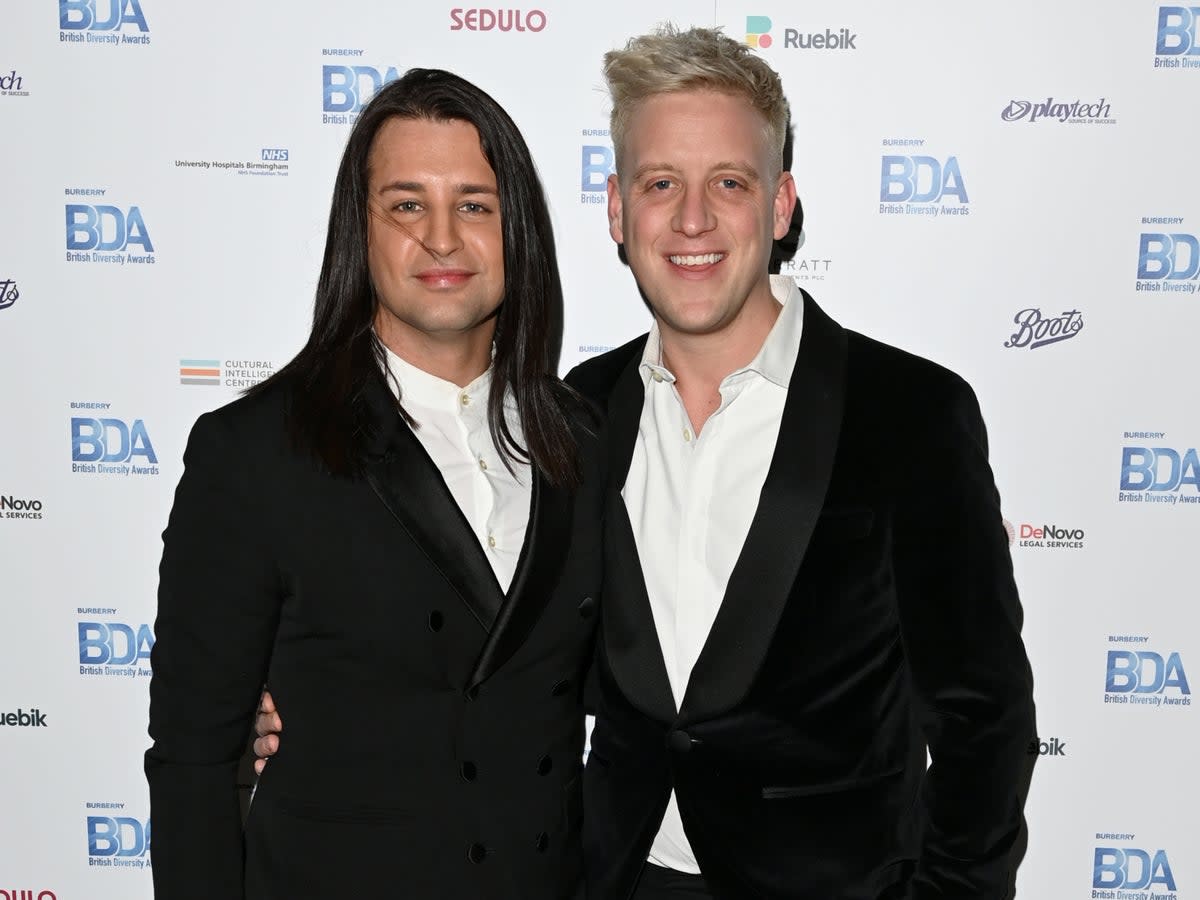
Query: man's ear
pixel 785 202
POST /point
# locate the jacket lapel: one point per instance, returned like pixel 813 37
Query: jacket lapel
pixel 538 568
pixel 630 638
pixel 788 508
pixel 411 487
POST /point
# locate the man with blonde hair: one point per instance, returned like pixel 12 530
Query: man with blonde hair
pixel 807 578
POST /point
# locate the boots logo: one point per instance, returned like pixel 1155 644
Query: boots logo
pixel 1035 330
pixel 8 293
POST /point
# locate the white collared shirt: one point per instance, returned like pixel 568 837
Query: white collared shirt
pixel 691 499
pixel 452 426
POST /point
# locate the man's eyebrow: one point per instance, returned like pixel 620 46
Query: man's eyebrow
pixel 417 187
pixel 746 169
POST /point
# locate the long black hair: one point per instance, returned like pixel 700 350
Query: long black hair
pixel 343 355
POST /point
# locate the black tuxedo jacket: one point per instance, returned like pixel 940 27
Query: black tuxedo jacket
pixel 872 613
pixel 365 601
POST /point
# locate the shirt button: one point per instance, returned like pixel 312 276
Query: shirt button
pixel 483 464
pixel 492 541
pixel 476 853
pixel 541 842
pixel 587 607
pixel 436 621
pixel 468 770
pixel 465 399
pixel 687 434
pixel 545 764
pixel 657 376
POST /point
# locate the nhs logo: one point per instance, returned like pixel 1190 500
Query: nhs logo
pixel 274 154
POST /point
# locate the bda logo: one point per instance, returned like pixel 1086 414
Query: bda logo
pixel 347 89
pixel 920 179
pixel 113 643
pixel 100 15
pixel 1129 867
pixel 120 837
pixel 109 441
pixel 1144 672
pixel 1177 31
pixel 1175 257
pixel 105 228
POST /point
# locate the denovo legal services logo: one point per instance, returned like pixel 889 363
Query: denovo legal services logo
pixel 1139 676
pixel 107 445
pixel 8 292
pixel 920 184
pixel 1152 472
pixel 18 507
pixel 102 22
pixel 1122 870
pixel 1048 537
pixel 1178 39
pixel 105 233
pixel 488 19
pixel 232 373
pixel 596 163
pixel 1035 330
pixel 1168 261
pixel 1074 112
pixel 12 84
pixel 116 839
pixel 346 88
pixel 110 648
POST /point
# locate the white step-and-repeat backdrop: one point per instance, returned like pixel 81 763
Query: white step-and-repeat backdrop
pixel 1010 189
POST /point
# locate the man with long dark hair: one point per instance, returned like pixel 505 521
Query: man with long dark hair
pixel 429 552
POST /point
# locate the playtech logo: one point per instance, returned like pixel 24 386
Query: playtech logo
pixel 1075 112
pixel 11 85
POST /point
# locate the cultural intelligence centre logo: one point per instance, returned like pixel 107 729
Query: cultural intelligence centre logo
pixel 110 647
pixel 231 373
pixel 1177 41
pixel 1136 675
pixel 101 233
pixel 1125 870
pixel 1068 112
pixel 348 84
pixel 104 445
pixel 1168 260
pixel 596 163
pixel 1036 330
pixel 837 37
pixel 9 293
pixel 1152 472
pixel 272 162
pixel 918 184
pixel 12 84
pixel 484 18
pixel 121 22
pixel 116 839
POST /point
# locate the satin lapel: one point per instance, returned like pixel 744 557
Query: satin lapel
pixel 543 556
pixel 630 638
pixel 788 508
pixel 411 487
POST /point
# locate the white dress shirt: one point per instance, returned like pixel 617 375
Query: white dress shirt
pixel 452 426
pixel 691 499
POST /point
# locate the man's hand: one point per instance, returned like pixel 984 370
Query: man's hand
pixel 267 726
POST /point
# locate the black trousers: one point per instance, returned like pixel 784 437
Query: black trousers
pixel 658 883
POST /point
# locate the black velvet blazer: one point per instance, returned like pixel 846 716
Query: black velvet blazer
pixel 871 615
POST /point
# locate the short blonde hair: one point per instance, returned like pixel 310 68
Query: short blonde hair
pixel 669 61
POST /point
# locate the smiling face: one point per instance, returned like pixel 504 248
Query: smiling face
pixel 434 244
pixel 698 204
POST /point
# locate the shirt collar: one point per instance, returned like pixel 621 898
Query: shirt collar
pixel 418 388
pixel 776 358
